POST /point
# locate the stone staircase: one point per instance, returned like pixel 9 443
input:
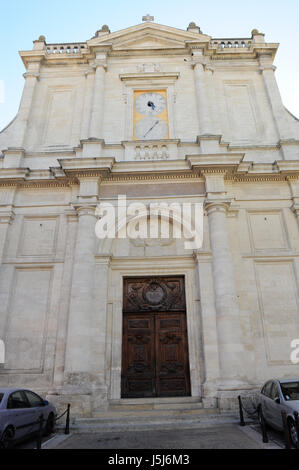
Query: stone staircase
pixel 147 414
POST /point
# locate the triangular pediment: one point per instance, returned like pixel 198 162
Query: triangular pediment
pixel 148 36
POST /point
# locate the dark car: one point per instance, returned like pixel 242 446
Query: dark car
pixel 20 411
pixel 277 396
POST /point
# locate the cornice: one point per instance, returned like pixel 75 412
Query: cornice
pixel 147 178
pixel 192 168
pixel 215 163
pixel 86 167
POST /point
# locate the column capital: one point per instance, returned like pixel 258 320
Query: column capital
pixel 262 68
pixel 209 68
pixel 90 71
pixel 31 74
pixel 295 209
pixel 202 61
pixel 101 64
pixel 87 209
pixel 7 217
pixel 218 205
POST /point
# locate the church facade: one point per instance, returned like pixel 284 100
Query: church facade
pixel 149 115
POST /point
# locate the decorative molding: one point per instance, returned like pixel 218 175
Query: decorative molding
pixel 87 209
pixel 7 217
pixel 149 76
pixel 31 74
pixel 267 67
pixel 154 294
pixel 218 205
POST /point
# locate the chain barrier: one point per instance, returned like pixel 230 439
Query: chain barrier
pixel 252 413
pixel 41 420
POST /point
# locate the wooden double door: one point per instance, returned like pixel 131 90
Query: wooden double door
pixel 155 360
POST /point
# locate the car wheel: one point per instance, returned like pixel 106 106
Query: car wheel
pixel 293 433
pixel 7 439
pixel 49 429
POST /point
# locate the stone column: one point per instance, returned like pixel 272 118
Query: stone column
pixel 294 188
pixel 31 77
pixel 208 326
pixel 78 376
pixel 267 70
pixel 89 84
pixel 203 105
pixel 71 220
pixel 96 120
pixel 209 134
pixel 7 216
pixel 231 349
pixel 6 219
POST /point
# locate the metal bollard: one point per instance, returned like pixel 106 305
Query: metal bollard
pixel 242 422
pixel 297 426
pixel 40 433
pixel 264 428
pixel 67 424
pixel 286 431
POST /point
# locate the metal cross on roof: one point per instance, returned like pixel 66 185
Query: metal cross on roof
pixel 148 18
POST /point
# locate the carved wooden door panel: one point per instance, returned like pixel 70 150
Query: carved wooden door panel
pixel 139 369
pixel 155 359
pixel 172 365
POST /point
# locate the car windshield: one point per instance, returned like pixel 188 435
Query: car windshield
pixel 290 390
pixel 1 396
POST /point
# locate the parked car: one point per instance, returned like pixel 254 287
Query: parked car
pixel 277 396
pixel 20 411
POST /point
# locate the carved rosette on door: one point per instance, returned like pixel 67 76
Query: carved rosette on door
pixel 155 346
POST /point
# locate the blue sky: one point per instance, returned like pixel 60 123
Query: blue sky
pixel 22 21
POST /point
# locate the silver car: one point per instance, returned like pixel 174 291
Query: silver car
pixel 20 411
pixel 277 396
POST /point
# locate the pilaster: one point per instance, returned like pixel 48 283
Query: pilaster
pixel 284 131
pixel 205 93
pixel 7 216
pixel 294 187
pixel 89 89
pixel 80 376
pixel 230 341
pixel 31 78
pixel 97 111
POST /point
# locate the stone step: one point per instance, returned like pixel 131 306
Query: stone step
pixel 160 400
pixel 167 403
pixel 141 413
pixel 156 406
pixel 171 420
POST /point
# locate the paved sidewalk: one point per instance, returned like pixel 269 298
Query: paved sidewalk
pixel 229 436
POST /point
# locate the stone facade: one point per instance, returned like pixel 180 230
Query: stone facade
pixel 231 145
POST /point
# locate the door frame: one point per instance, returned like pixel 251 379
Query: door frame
pixel 147 267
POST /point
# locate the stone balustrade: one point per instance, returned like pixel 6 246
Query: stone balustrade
pixel 152 150
pixel 75 48
pixel 231 43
